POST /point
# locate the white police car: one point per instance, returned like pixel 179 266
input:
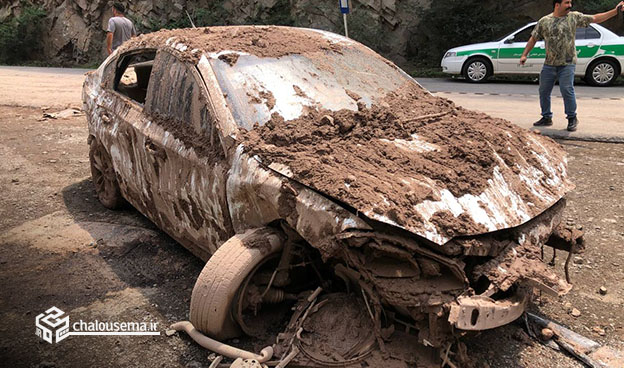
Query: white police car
pixel 600 56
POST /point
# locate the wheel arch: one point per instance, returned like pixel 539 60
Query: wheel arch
pixel 478 56
pixel 617 62
pixel 258 196
pixel 588 71
pixel 219 281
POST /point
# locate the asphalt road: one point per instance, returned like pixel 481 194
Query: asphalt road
pixel 458 85
pixel 599 109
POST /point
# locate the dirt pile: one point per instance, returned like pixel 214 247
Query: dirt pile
pixel 390 156
pixel 262 41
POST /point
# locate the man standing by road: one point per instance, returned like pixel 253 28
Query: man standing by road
pixel 558 30
pixel 120 28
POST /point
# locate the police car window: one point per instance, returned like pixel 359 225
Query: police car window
pixel 524 35
pixel 580 33
pixel 592 34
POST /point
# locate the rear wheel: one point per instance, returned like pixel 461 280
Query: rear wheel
pixel 602 73
pixel 477 70
pixel 103 176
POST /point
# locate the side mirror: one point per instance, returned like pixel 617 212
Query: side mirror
pixel 509 40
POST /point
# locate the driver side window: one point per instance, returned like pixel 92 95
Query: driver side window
pixel 177 102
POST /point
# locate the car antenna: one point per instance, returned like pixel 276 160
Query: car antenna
pixel 189 17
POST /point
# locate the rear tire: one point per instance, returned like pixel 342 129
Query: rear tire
pixel 217 285
pixel 103 176
pixel 602 73
pixel 477 70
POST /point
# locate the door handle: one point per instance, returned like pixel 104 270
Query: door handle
pixel 591 44
pixel 150 147
pixel 154 150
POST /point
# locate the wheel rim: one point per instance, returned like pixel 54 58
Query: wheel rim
pixel 237 303
pixel 603 73
pixel 103 176
pixel 477 71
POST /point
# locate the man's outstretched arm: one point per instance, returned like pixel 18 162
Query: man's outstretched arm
pixel 599 18
pixel 527 49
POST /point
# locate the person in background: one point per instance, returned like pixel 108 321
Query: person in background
pixel 120 28
pixel 558 30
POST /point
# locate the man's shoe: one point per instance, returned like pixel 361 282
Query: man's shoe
pixel 572 124
pixel 544 121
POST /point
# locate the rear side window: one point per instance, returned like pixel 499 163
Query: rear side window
pixel 133 73
pixel 588 33
pixel 592 34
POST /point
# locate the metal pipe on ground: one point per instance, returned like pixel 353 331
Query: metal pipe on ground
pixel 219 347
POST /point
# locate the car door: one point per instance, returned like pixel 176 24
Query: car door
pixel 588 41
pixel 510 51
pixel 184 158
pixel 121 112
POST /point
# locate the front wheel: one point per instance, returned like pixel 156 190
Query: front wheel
pixel 602 73
pixel 477 70
pixel 223 275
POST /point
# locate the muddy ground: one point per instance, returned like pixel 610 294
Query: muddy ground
pixel 60 247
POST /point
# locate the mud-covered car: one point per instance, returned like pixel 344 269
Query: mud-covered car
pixel 296 159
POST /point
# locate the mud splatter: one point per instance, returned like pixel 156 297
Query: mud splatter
pixel 269 98
pixel 229 58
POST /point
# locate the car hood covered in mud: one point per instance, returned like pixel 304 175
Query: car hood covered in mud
pixel 334 116
pixel 419 163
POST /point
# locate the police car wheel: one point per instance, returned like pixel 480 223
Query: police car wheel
pixel 477 70
pixel 602 73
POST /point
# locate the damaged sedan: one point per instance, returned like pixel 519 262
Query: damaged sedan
pixel 336 202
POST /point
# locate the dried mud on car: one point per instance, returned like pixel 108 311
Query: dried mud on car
pixel 413 135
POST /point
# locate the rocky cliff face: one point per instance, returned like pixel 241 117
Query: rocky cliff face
pixel 76 28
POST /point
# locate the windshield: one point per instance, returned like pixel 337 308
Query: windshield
pixel 257 87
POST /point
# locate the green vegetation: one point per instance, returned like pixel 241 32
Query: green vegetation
pixel 451 23
pixel 594 6
pixel 20 36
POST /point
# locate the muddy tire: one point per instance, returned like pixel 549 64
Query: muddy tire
pixel 103 176
pixel 217 285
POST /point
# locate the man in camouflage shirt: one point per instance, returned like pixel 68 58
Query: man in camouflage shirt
pixel 558 30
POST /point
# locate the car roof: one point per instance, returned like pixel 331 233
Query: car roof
pixel 191 43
